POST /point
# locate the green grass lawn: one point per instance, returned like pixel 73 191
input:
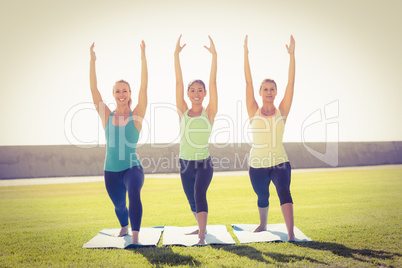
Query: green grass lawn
pixel 354 218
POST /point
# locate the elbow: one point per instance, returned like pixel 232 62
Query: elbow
pixel 249 84
pixel 291 85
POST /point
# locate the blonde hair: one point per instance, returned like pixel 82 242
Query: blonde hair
pixel 130 101
pixel 267 80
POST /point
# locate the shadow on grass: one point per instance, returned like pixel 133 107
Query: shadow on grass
pixel 343 251
pixel 254 254
pixel 161 256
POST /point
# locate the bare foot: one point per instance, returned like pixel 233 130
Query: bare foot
pixel 201 241
pixel 123 231
pixel 260 229
pixel 193 233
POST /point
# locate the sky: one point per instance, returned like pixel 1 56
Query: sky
pixel 348 66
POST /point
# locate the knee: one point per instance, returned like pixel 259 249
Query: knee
pixel 263 198
pixel 192 206
pixel 119 202
pixel 201 203
pixel 284 196
pixel 134 193
pixel 200 197
pixel 134 188
pixel 263 202
pixel 200 200
pixel 120 206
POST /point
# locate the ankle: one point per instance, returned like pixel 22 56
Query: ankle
pixel 135 237
pixel 291 236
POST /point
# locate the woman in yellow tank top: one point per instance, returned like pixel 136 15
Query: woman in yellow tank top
pixel 268 160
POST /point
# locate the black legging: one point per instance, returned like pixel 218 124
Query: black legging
pixel 117 184
pixel 196 177
pixel 280 176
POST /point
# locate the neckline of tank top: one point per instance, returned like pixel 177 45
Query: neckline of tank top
pixel 131 116
pixel 186 113
pixel 267 116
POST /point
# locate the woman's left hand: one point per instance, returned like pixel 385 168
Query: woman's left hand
pixel 211 47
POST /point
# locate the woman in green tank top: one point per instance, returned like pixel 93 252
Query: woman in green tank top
pixel 195 128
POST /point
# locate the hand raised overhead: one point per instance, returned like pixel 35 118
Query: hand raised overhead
pixel 142 45
pixel 93 56
pixel 178 47
pixel 291 47
pixel 246 44
pixel 211 47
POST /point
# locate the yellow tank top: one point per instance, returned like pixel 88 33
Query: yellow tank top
pixel 267 149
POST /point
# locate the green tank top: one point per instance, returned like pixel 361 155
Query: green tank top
pixel 194 136
pixel 121 145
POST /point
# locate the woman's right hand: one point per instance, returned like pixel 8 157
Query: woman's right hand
pixel 178 47
pixel 93 56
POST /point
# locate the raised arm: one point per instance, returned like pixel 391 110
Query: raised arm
pixel 180 102
pixel 141 107
pixel 100 106
pixel 212 107
pixel 251 103
pixel 286 103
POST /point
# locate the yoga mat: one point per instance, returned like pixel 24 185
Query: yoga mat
pixel 216 234
pixel 275 232
pixel 148 236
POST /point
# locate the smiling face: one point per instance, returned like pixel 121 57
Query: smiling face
pixel 196 93
pixel 122 93
pixel 268 91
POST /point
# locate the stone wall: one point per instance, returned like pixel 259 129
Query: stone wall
pixel 70 160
